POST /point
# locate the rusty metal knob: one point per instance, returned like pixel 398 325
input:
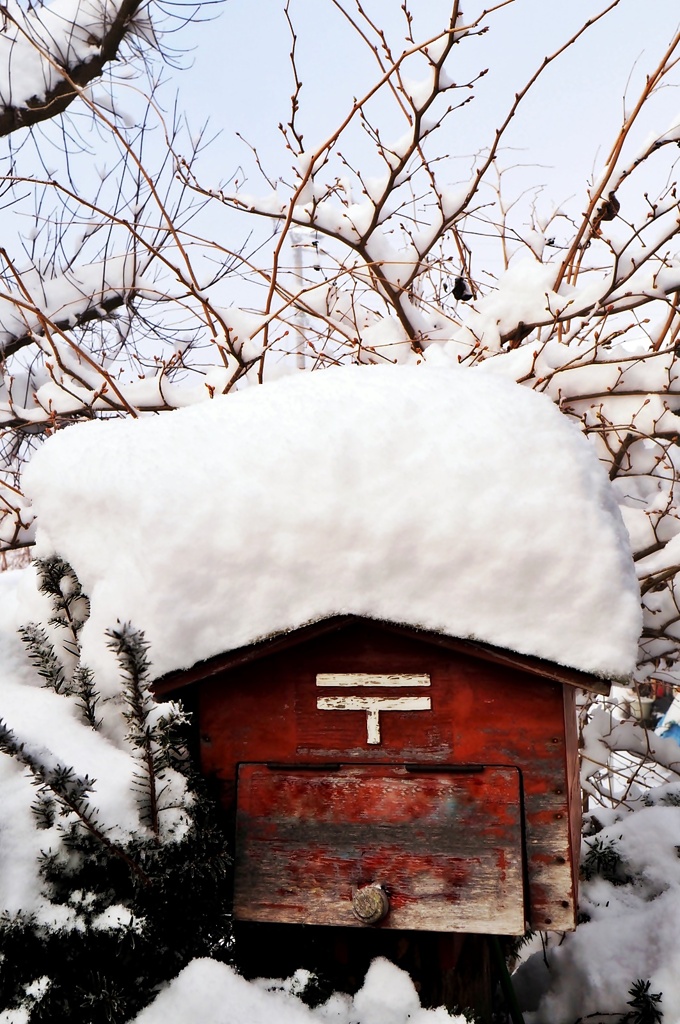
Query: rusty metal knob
pixel 370 904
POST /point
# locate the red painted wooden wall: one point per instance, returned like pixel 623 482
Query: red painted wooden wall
pixel 519 725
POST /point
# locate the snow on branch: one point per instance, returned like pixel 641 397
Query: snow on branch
pixel 370 244
pixel 621 760
pixel 51 51
pixel 82 294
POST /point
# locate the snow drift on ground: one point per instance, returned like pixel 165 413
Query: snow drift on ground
pixel 446 499
pixel 633 926
pixel 211 993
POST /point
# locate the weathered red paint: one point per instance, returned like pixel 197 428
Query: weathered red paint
pixel 490 708
pixel 446 847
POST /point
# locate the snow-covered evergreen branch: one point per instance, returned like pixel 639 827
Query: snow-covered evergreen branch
pixel 124 901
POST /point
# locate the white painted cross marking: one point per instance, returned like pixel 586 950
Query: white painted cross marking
pixel 372 705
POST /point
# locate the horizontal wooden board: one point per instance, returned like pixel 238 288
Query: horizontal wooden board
pixel 445 846
pixel 372 679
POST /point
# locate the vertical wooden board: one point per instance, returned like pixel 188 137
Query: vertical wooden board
pixel 446 847
pixel 573 769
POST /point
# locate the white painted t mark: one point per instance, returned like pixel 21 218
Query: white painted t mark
pixel 372 704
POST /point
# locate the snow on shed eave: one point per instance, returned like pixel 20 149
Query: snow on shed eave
pixel 451 500
pixel 266 646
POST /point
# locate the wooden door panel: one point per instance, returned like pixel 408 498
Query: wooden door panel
pixel 446 846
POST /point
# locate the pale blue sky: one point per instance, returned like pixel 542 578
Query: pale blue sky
pixel 241 77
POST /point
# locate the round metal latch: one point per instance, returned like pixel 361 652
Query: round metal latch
pixel 370 904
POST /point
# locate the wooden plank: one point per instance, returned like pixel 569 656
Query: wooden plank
pixel 354 679
pixel 447 848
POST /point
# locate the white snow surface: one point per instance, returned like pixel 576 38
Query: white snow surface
pixel 451 500
pixel 632 931
pixel 36 44
pixel 214 994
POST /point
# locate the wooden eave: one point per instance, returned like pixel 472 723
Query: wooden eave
pixel 282 641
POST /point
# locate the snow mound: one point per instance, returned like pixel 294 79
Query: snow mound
pixel 450 500
pixel 214 994
pixel 631 928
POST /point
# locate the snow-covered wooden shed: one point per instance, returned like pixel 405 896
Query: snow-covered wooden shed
pixel 356 754
pixel 380 588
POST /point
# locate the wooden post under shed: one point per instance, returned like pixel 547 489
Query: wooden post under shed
pixel 384 783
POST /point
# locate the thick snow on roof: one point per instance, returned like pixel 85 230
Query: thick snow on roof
pixel 450 500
